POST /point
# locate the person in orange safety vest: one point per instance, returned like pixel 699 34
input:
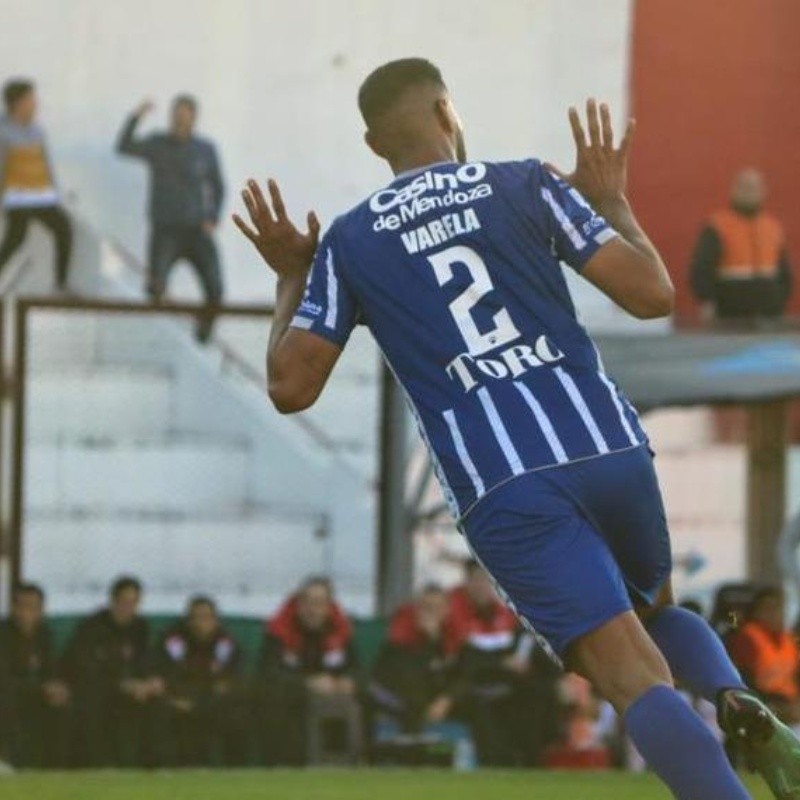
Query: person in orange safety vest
pixel 767 654
pixel 740 268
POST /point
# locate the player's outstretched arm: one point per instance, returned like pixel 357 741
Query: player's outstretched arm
pixel 628 269
pixel 298 362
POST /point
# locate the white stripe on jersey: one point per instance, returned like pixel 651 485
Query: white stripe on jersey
pixel 333 294
pixel 301 322
pixel 620 410
pixel 463 453
pixel 620 402
pixel 564 221
pixel 580 406
pixel 606 235
pixel 500 432
pixel 449 494
pixel 544 423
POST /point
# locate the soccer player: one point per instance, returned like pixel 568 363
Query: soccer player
pixel 455 268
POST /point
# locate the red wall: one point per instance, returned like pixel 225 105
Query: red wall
pixel 715 87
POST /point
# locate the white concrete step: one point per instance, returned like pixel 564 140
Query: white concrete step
pixel 257 559
pixel 60 338
pixel 186 475
pixel 348 413
pixel 99 402
pixel 68 338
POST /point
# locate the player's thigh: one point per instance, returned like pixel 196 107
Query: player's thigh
pixel 621 497
pixel 553 568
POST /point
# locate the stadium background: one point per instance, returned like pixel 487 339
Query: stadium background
pixel 276 83
pixel 277 87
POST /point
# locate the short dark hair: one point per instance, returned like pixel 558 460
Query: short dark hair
pixel 186 100
pixel 201 600
pixel 15 90
pixel 27 588
pixel 384 86
pixel 123 583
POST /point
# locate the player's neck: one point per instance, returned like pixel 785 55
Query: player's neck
pixel 424 157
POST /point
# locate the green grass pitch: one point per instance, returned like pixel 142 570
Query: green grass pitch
pixel 336 785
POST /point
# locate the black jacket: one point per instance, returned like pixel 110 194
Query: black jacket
pixel 280 669
pixel 101 653
pixel 186 186
pixel 24 661
pixel 192 668
pixel 406 680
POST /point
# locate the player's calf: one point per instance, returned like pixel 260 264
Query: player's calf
pixel 694 652
pixel 624 665
pixel 620 660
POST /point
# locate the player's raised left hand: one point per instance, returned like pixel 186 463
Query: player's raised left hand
pixel 285 249
pixel 601 169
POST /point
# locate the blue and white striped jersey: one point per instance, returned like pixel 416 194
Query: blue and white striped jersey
pixel 455 270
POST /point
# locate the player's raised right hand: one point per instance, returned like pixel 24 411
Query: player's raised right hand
pixel 284 248
pixel 601 169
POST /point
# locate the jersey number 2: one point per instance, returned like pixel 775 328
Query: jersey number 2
pixel 478 342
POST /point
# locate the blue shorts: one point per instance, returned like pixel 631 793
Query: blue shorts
pixel 573 546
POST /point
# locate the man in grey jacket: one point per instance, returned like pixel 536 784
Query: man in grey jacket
pixel 186 193
pixel 28 188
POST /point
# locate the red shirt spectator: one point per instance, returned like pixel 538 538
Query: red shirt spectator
pixel 415 677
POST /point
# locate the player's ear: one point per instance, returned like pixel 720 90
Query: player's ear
pixel 373 144
pixel 446 115
pixel 441 108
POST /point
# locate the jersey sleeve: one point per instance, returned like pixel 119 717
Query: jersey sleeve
pixel 577 230
pixel 328 307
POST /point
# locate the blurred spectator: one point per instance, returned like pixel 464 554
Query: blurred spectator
pixel 34 701
pixel 415 683
pixel 27 182
pixel 767 654
pixel 510 683
pixel 695 606
pixel 740 268
pixel 308 662
pixel 587 725
pixel 199 662
pixel 108 667
pixel 186 192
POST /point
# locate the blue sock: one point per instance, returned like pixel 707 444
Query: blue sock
pixel 680 748
pixel 695 654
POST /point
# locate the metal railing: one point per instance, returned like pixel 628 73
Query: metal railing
pixel 12 536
